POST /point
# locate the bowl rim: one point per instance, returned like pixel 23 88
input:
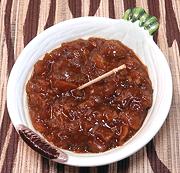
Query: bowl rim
pixel 95 160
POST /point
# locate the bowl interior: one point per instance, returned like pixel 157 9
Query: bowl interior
pixel 131 35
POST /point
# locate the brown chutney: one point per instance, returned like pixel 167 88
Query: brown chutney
pixel 99 117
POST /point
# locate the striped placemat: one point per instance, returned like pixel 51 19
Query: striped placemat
pixel 21 20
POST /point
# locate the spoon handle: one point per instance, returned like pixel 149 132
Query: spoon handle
pixel 115 70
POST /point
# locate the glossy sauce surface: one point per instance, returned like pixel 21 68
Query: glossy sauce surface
pixel 99 117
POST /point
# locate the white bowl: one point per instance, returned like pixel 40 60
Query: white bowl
pixel 131 35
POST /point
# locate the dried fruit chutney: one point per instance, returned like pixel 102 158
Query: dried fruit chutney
pixel 99 117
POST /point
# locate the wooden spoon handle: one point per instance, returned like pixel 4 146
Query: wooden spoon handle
pixel 115 70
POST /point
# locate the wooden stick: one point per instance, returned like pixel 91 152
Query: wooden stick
pixel 115 70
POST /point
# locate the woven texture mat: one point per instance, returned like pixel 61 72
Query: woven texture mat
pixel 21 20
